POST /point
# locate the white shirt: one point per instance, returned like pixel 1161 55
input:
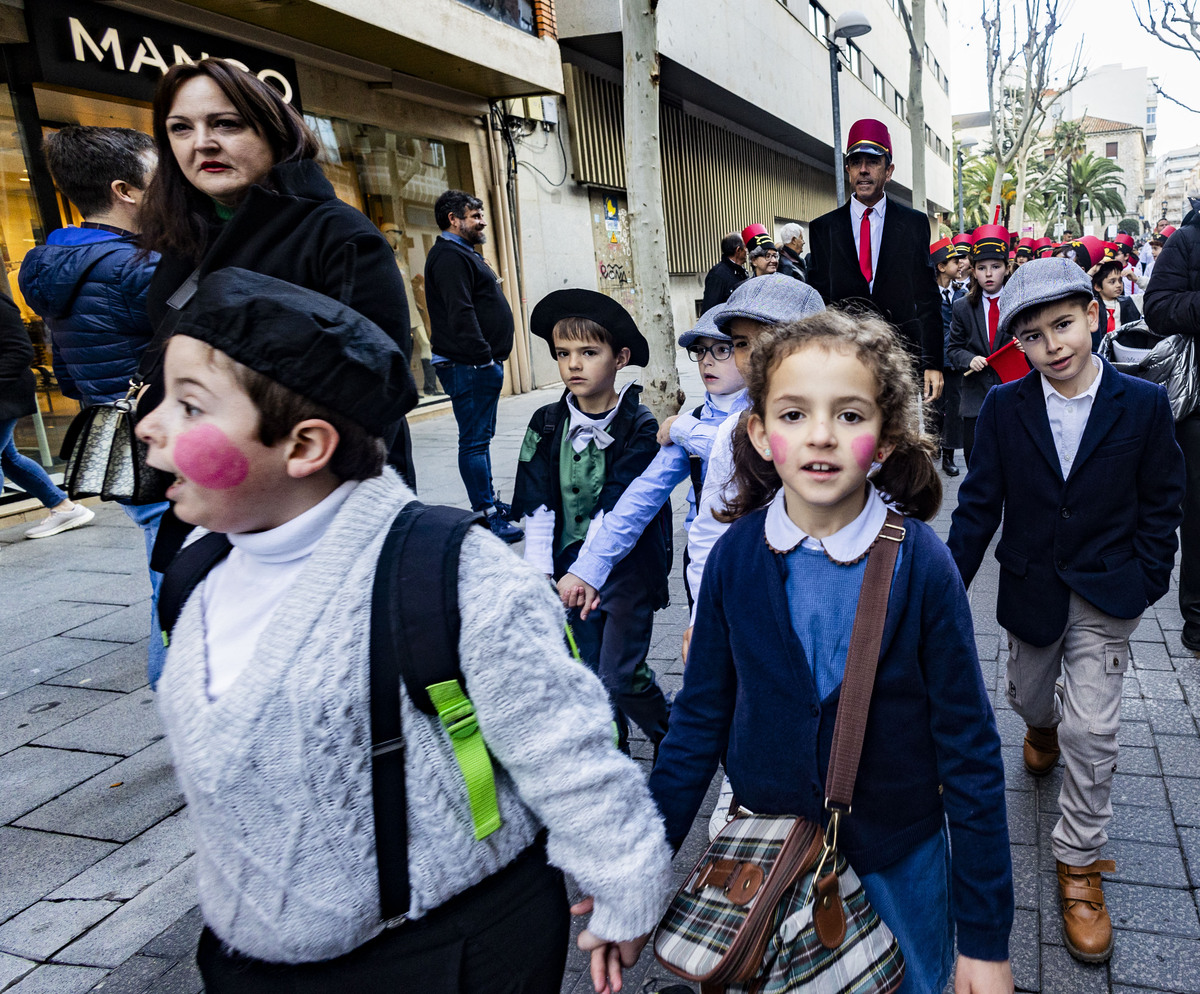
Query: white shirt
pixel 718 489
pixel 844 546
pixel 1069 416
pixel 856 215
pixel 241 592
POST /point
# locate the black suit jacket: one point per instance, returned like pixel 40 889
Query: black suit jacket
pixel 1106 532
pixel 969 338
pixel 906 291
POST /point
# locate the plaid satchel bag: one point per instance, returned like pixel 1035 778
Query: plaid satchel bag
pixel 772 907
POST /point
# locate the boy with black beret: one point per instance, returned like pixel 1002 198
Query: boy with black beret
pixel 578 457
pixel 276 401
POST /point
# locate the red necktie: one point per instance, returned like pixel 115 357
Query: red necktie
pixel 993 322
pixel 1108 324
pixel 864 245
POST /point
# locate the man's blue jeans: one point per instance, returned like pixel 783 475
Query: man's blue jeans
pixel 146 517
pixel 474 396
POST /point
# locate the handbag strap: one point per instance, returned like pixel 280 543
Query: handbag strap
pixel 152 356
pixel 862 660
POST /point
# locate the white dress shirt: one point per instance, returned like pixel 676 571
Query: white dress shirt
pixel 856 214
pixel 1069 416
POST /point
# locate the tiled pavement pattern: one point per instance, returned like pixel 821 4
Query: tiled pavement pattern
pixel 96 871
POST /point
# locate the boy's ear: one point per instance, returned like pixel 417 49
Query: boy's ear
pixel 1093 313
pixel 311 445
pixel 622 358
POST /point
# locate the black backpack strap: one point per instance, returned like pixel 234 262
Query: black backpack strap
pixel 414 639
pixel 696 465
pixel 185 573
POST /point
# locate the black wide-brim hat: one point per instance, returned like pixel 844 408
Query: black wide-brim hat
pixel 595 306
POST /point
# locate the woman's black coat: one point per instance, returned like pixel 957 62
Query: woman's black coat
pixel 18 385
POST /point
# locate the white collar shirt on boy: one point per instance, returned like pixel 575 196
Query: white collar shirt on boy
pixel 242 591
pixel 846 545
pixel 585 428
pixel 1068 417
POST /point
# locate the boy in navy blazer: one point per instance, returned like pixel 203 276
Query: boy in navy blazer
pixel 1080 461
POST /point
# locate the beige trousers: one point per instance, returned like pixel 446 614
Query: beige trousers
pixel 1075 683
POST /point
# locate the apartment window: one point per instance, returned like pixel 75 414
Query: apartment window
pixel 1110 150
pixel 898 106
pixel 878 84
pixel 1151 115
pixel 818 21
pixel 946 85
pixel 855 57
pixel 1047 153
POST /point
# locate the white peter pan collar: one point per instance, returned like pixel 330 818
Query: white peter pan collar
pixel 847 545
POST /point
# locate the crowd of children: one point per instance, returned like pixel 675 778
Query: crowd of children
pixel 809 432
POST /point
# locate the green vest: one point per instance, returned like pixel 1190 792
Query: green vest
pixel 580 480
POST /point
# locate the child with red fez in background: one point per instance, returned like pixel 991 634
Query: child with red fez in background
pixel 943 256
pixel 1024 251
pixel 973 327
pixel 1042 248
pixel 1116 308
pixel 1080 464
pixel 962 255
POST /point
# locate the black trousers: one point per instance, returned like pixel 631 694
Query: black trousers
pixel 968 439
pixel 1187 434
pixel 947 406
pixel 506 935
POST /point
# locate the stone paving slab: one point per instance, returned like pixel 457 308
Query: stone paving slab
pixel 98 810
pixel 54 979
pixel 125 726
pixel 39 710
pixel 126 624
pixel 43 661
pixel 33 776
pixel 34 863
pixel 122 669
pixel 134 866
pixel 42 930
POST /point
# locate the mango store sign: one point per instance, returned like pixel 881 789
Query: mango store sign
pixel 89 47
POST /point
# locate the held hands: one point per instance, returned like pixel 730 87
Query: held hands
pixel 971 976
pixel 608 958
pixel 578 593
pixel 664 430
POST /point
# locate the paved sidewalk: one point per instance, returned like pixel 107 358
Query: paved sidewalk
pixel 97 885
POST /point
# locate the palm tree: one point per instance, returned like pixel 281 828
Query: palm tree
pixel 1100 181
pixel 978 175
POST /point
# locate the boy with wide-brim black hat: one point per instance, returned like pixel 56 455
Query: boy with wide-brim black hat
pixel 578 457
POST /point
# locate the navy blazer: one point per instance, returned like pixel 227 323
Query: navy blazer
pixel 969 338
pixel 1107 532
pixel 931 749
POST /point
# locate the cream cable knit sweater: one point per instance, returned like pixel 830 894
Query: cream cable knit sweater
pixel 277 773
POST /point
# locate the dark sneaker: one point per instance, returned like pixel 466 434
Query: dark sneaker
pixel 1190 637
pixel 502 509
pixel 506 531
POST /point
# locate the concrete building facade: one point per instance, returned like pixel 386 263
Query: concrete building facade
pixel 1177 173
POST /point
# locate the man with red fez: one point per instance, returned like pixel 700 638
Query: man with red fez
pixel 875 250
pixel 724 277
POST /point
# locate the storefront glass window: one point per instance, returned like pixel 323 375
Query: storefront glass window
pixel 518 13
pixel 395 180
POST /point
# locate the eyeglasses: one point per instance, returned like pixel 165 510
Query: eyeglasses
pixel 720 352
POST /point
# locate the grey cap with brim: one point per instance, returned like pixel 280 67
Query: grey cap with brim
pixel 706 327
pixel 1040 281
pixel 771 299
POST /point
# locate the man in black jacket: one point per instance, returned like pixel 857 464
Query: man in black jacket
pixel 471 334
pixel 1172 307
pixel 724 277
pixel 791 252
pixel 888 269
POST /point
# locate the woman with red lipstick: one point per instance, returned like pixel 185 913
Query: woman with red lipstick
pixel 238 184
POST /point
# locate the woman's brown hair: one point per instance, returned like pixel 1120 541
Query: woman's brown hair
pixel 908 478
pixel 172 216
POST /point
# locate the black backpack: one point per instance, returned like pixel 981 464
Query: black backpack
pixel 419 555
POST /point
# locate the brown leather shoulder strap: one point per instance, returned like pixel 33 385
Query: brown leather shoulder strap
pixel 862 659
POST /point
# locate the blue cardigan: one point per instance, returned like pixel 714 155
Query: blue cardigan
pixel 931 748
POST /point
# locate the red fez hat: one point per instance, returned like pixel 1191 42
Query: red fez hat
pixel 962 239
pixel 1167 232
pixel 1043 247
pixel 755 236
pixel 1089 251
pixel 989 241
pixel 1124 239
pixel 1025 245
pixel 941 251
pixel 870 136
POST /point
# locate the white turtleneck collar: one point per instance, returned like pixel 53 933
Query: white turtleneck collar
pixel 297 538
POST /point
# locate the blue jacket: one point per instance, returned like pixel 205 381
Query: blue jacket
pixel 89 286
pixel 931 748
pixel 1107 532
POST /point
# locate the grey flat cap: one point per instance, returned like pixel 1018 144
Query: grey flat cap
pixel 706 327
pixel 771 299
pixel 1040 281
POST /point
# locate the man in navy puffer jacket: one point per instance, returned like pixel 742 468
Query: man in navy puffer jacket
pixel 89 283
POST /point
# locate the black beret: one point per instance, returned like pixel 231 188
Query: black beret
pixel 598 307
pixel 305 341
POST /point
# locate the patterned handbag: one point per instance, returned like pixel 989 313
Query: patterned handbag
pixel 772 907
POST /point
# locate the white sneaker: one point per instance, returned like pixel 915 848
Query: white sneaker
pixel 60 521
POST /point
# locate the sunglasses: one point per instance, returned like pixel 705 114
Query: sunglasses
pixel 720 352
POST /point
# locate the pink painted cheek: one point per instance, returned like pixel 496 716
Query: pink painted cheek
pixel 207 457
pixel 779 448
pixel 863 449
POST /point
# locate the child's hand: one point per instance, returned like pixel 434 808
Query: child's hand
pixel 578 593
pixel 978 976
pixel 664 430
pixel 978 363
pixel 607 957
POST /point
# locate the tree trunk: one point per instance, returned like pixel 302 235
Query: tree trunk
pixel 643 189
pixel 916 103
pixel 1016 217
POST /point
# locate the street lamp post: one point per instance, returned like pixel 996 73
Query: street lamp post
pixel 851 24
pixel 967 143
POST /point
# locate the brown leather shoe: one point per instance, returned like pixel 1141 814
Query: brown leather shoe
pixel 1087 929
pixel 1041 750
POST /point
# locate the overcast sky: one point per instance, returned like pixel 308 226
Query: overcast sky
pixel 1110 35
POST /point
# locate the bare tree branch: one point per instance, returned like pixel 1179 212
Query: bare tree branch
pixel 1175 23
pixel 1166 96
